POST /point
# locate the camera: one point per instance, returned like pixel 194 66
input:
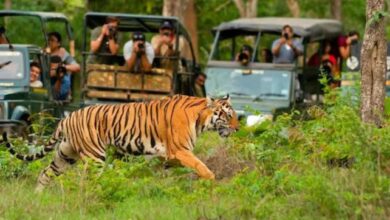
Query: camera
pixel 111 31
pixel 60 69
pixel 243 58
pixel 285 35
pixel 326 69
pixel 354 41
pixel 141 46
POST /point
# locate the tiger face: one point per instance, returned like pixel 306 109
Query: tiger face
pixel 224 118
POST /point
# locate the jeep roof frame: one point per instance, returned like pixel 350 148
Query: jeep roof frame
pixel 310 29
pixel 44 17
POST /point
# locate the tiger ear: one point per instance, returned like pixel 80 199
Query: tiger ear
pixel 210 101
pixel 227 99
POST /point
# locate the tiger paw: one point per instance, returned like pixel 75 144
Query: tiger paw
pixel 209 176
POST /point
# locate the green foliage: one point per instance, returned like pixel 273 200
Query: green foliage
pixel 322 163
pixel 319 163
pixel 376 16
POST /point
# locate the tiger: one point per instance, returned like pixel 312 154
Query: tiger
pixel 166 128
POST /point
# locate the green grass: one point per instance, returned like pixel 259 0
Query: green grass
pixel 292 168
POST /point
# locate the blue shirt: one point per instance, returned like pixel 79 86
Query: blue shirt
pixel 66 81
pixel 286 53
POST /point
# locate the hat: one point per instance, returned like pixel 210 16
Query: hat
pixel 138 36
pixel 166 25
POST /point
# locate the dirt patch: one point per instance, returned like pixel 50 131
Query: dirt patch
pixel 225 165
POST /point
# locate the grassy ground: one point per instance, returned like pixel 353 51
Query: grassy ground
pixel 321 164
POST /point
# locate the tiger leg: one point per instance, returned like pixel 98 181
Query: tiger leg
pixel 97 162
pixel 188 159
pixel 63 157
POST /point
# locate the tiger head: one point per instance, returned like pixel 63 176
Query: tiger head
pixel 224 118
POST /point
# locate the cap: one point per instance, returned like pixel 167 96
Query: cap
pixel 138 36
pixel 246 47
pixel 166 24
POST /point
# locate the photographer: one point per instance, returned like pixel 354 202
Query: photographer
pixel 327 63
pixel 286 49
pixel 344 44
pixel 105 39
pixel 138 53
pixel 245 55
pixel 61 70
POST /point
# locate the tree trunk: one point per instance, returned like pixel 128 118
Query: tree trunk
pixel 7 4
pixel 336 9
pixel 247 9
pixel 373 67
pixel 293 5
pixel 185 11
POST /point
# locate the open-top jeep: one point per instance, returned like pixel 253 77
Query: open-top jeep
pixel 263 85
pixel 27 36
pixel 116 83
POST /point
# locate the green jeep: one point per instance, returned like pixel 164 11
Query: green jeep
pixel 262 85
pixel 18 100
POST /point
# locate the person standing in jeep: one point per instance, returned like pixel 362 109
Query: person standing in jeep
pixel 286 49
pixel 62 85
pixel 105 39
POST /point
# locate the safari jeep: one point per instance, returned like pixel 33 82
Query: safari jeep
pixel 114 82
pixel 262 85
pixel 19 102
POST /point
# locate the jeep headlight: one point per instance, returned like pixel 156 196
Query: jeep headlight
pixel 257 119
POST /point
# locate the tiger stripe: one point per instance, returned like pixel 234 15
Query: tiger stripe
pixel 167 128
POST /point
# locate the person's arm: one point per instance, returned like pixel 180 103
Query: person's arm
pixel 97 37
pixel 345 50
pixel 131 50
pixel 156 44
pixel 146 66
pixel 296 47
pixel 73 68
pixel 113 45
pixel 345 47
pixel 131 61
pixel 276 46
pixel 71 65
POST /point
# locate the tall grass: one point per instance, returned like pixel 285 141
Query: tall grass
pixel 319 164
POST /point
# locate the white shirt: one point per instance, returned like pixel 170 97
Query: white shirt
pixel 128 49
pixel 36 84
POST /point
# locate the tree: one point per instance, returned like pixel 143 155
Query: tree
pixel 373 66
pixel 248 9
pixel 185 11
pixel 7 4
pixel 293 6
pixel 335 8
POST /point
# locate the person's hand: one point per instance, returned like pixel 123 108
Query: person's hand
pixel 53 68
pixel 165 39
pixel 282 40
pixel 135 46
pixel 352 38
pixel 289 42
pixel 105 30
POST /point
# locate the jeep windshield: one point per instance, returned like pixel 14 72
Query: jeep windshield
pixel 11 65
pixel 254 84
